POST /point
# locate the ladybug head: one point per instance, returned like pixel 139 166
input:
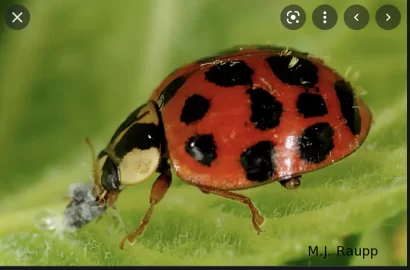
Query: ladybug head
pixel 133 153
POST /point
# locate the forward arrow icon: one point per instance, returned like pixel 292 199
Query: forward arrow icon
pixel 388 17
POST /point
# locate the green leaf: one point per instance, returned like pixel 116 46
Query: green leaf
pixel 80 67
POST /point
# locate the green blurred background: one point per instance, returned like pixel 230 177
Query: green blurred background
pixel 80 67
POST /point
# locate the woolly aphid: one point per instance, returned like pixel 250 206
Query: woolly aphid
pixel 83 207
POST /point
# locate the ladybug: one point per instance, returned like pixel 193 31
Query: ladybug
pixel 243 118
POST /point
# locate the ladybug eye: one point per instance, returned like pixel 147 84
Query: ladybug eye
pixel 110 179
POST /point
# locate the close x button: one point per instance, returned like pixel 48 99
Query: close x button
pixel 17 17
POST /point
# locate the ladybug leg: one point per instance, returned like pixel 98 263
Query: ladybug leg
pixel 158 190
pixel 257 218
pixel 291 183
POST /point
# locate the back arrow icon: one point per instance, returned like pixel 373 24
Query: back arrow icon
pixel 388 17
pixel 355 17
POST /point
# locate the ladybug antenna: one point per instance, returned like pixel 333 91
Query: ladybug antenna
pixel 94 160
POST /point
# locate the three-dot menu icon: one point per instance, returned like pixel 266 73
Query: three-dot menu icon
pixel 324 17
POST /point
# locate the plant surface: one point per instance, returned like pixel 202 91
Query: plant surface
pixel 75 72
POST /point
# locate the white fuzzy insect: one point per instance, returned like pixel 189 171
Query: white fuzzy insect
pixel 83 207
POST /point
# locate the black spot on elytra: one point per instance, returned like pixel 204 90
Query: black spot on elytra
pixel 311 105
pixel 348 105
pixel 265 109
pixel 127 122
pixel 230 73
pixel 110 179
pixel 195 108
pixel 171 89
pixel 303 73
pixel 257 161
pixel 316 142
pixel 141 136
pixel 202 148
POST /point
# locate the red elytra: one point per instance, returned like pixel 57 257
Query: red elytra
pixel 229 113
